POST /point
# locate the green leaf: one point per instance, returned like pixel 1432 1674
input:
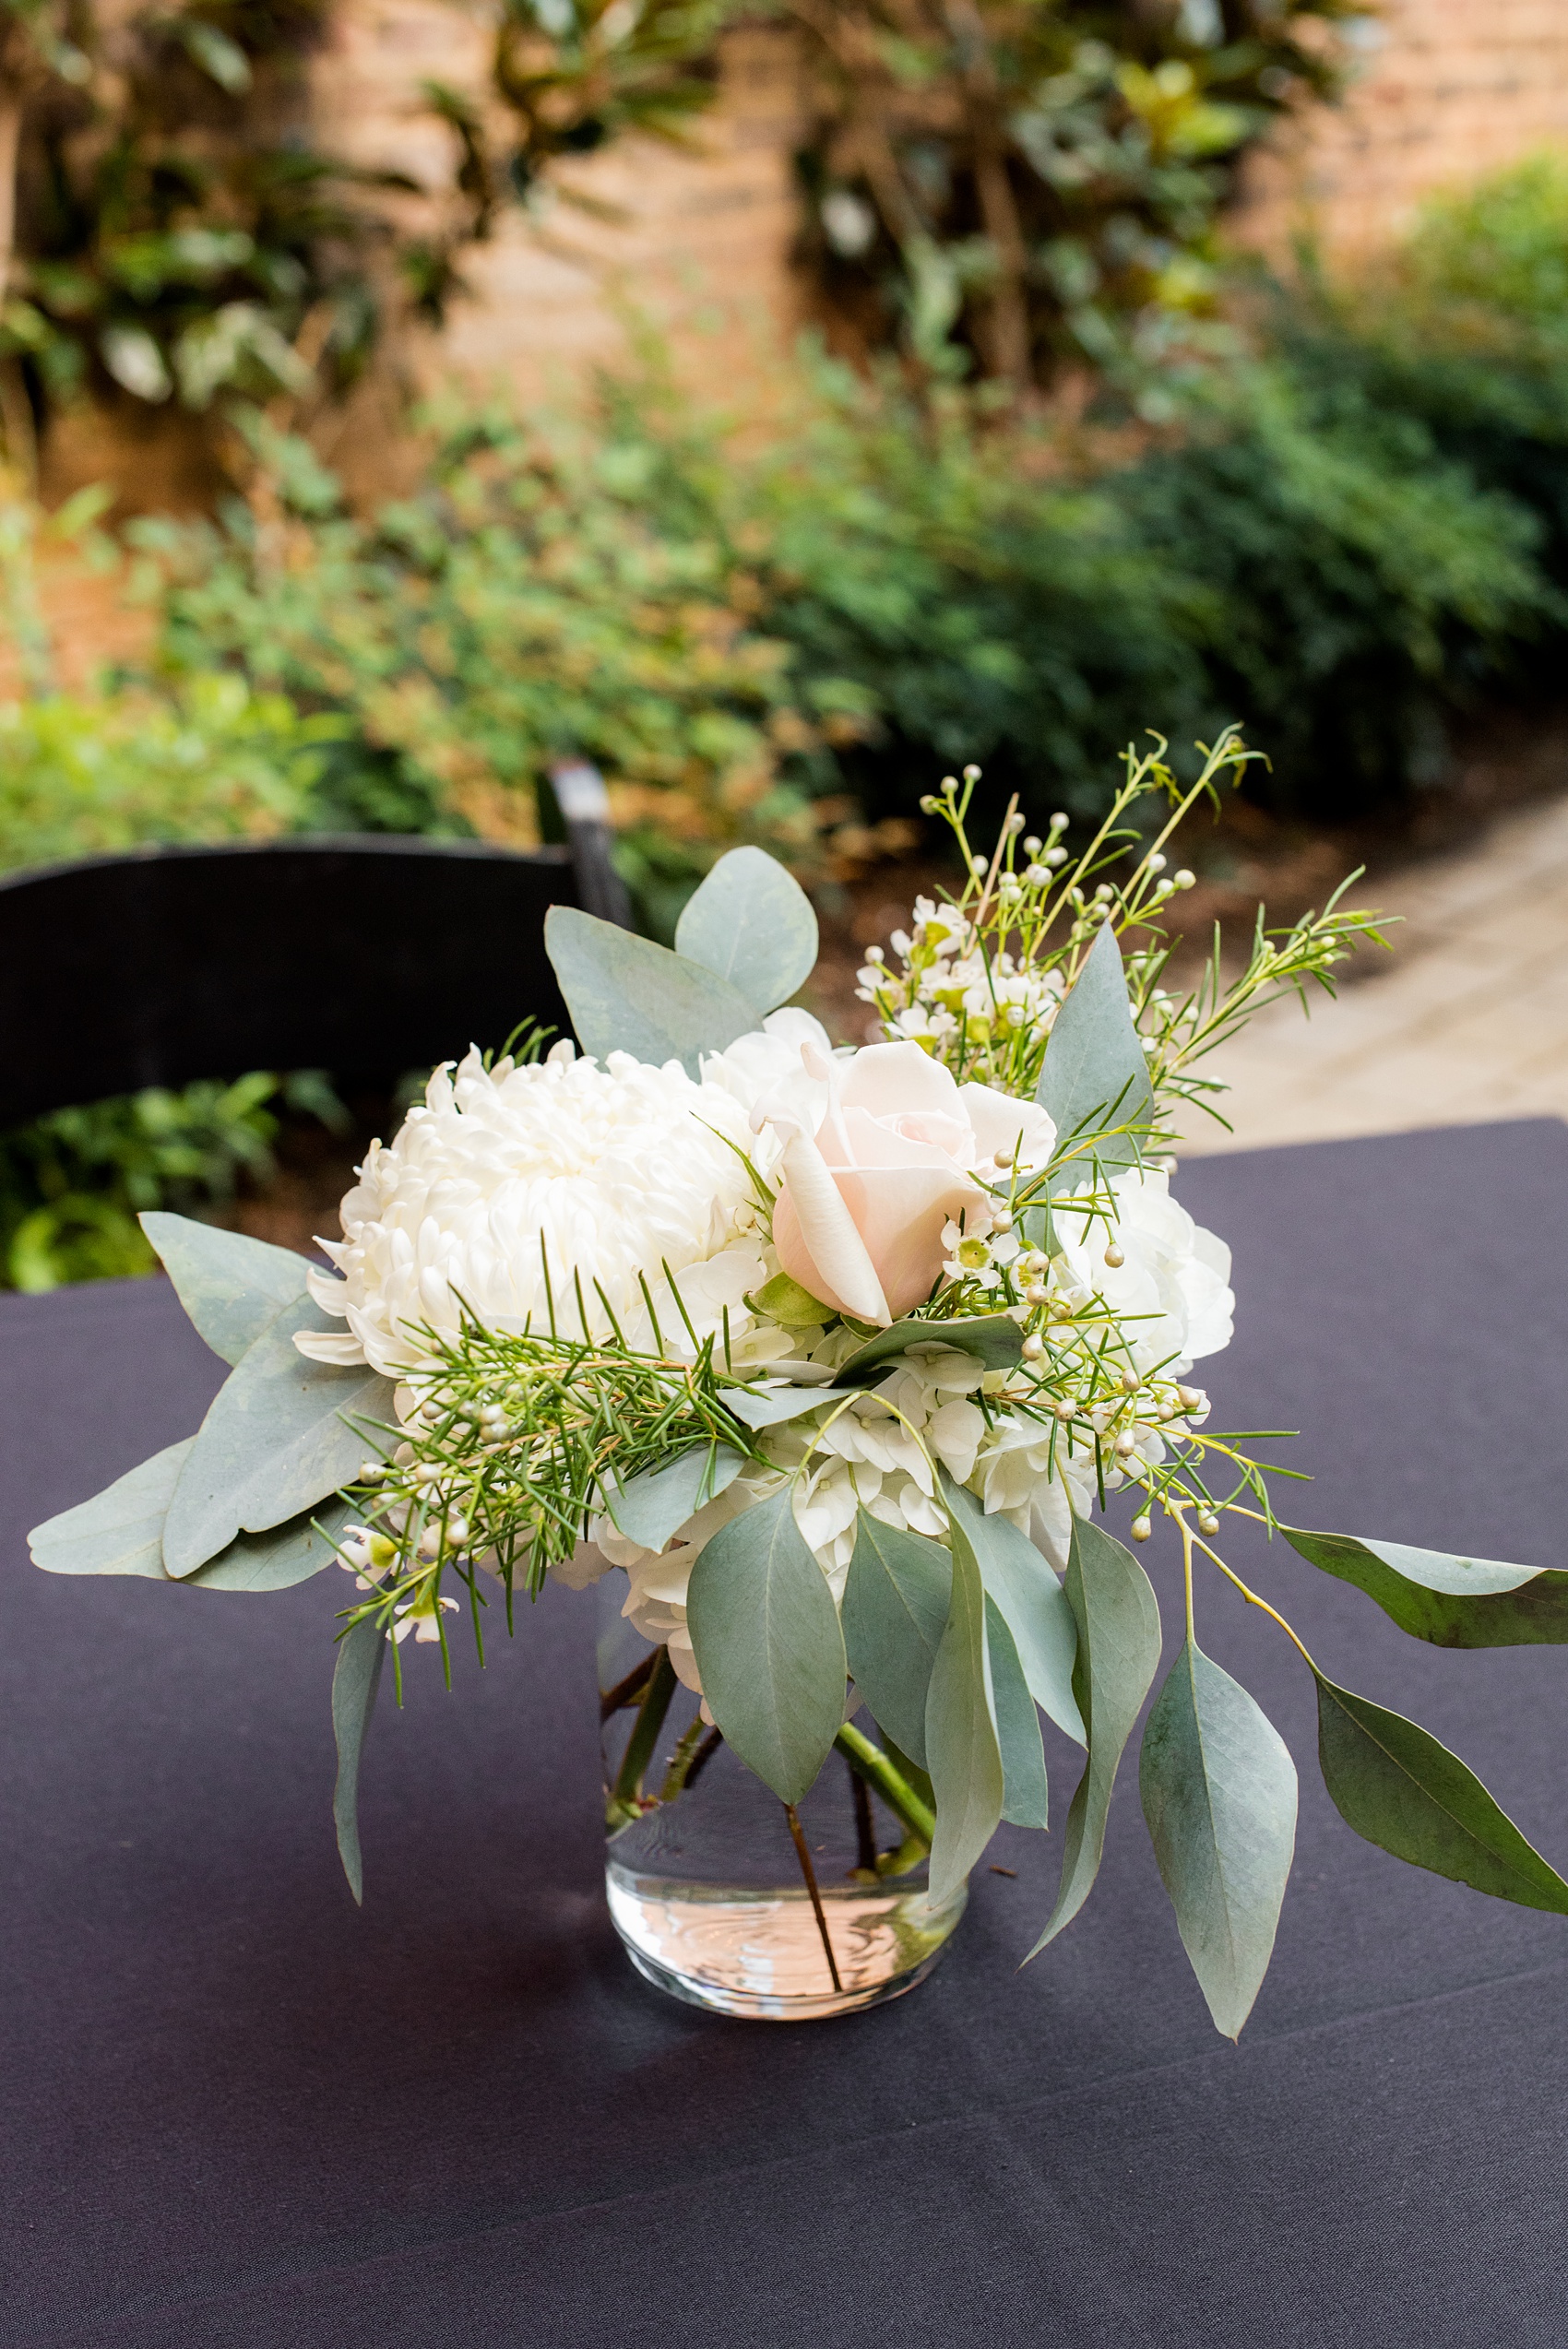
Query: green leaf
pixel 1095 1073
pixel 277 1439
pixel 895 1601
pixel 234 1289
pixel 1117 1618
pixel 995 1339
pixel 356 1676
pixel 751 922
pixel 1026 1798
pixel 628 995
pixel 758 1407
pixel 651 1506
pixel 785 1301
pixel 769 1646
pixel 1032 1603
pixel 119 1530
pixel 1218 1791
pixel 1397 1786
pixel 962 1753
pixel 276 1561
pixel 1452 1602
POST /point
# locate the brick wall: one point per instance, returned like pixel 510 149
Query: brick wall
pixel 1446 89
pixel 700 242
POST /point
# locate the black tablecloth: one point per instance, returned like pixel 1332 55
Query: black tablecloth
pixel 238 2111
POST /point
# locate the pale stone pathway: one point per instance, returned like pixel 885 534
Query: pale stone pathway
pixel 1466 1020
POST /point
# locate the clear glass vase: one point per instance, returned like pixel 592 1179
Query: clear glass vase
pixel 726 1899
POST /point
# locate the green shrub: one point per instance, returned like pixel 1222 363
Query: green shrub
pixel 1349 533
pixel 96 775
pixel 532 604
pixel 72 1184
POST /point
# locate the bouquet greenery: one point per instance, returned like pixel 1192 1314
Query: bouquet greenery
pixel 839 1354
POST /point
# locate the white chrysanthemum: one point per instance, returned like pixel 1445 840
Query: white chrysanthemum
pixel 562 1169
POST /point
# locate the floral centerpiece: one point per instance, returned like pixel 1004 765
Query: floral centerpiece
pixel 827 1364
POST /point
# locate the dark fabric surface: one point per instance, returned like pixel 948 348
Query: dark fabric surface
pixel 237 2111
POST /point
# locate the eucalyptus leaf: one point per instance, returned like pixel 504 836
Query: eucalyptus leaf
pixel 1396 1785
pixel 1026 1800
pixel 276 1561
pixel 765 1408
pixel 1218 1790
pixel 751 922
pixel 234 1289
pixel 995 1339
pixel 651 1508
pixel 1117 1618
pixel 278 1438
pixel 1095 1073
pixel 896 1601
pixel 1032 1604
pixel 356 1676
pixel 766 1633
pixel 1452 1601
pixel 628 995
pixel 119 1530
pixel 962 1754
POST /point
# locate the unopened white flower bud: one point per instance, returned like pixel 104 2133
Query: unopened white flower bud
pixel 1115 1257
pixel 1186 880
pixel 1059 822
pixel 1033 1347
pixel 979 867
pixel 1015 823
pixel 929 803
pixel 1126 1445
pixel 1141 1529
pixel 1054 858
pixel 1208 1523
pixel 1157 864
pixel 1036 875
pixel 372 1471
pixel 1033 845
pixel 1035 1295
pixel 971 773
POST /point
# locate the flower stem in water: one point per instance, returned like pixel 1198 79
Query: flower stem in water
pixel 809 1872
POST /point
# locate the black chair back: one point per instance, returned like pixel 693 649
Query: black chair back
pixel 366 955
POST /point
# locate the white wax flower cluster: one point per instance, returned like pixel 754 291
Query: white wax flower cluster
pixel 946 985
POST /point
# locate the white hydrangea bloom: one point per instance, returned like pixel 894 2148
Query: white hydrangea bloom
pixel 599 1175
pixel 1175 1277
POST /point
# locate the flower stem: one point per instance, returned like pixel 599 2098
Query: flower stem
pixel 804 1854
pixel 865 1831
pixel 871 1764
pixel 627 1691
pixel 625 1802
